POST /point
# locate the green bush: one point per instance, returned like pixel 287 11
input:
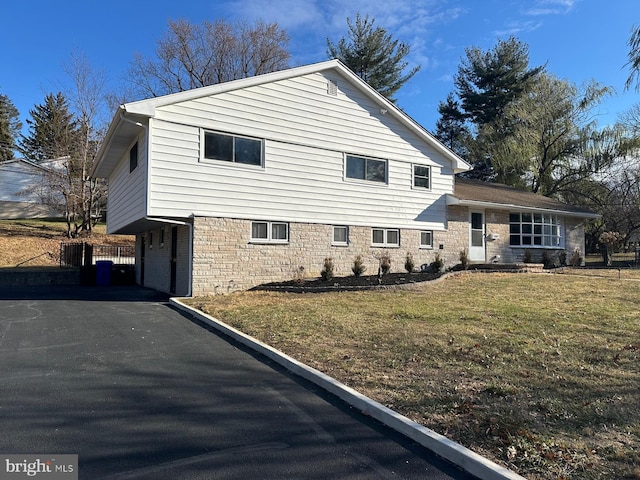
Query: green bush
pixel 409 264
pixel 358 267
pixel 327 271
pixel 438 264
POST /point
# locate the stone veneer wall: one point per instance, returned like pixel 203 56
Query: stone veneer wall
pixel 225 260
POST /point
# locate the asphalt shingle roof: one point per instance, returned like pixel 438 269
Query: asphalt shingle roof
pixel 500 194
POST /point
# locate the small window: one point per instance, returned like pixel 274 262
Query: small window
pixel 269 232
pixel 133 157
pixel 422 176
pixel 385 237
pixel 368 169
pixel 340 235
pixel 230 148
pixel 162 237
pixel 426 239
pixel 150 240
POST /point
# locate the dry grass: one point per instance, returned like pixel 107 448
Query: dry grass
pixel 538 372
pixel 36 242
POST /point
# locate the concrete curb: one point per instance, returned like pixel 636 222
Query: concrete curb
pixel 457 454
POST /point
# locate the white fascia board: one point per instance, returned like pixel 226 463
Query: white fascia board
pixel 452 200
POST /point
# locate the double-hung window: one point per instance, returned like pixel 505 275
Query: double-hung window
pixel 369 169
pixel 422 176
pixel 385 237
pixel 269 232
pixel 535 230
pixel 233 148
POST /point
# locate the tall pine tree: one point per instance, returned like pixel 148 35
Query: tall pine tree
pixel 451 128
pixel 373 55
pixel 52 130
pixel 10 126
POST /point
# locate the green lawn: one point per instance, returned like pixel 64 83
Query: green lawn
pixel 540 373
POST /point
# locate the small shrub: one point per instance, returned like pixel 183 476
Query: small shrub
pixel 327 271
pixel 409 264
pixel 527 258
pixel 437 265
pixel 384 264
pixel 576 258
pixel 358 267
pixel 299 275
pixel 546 259
pixel 562 258
pixel 464 259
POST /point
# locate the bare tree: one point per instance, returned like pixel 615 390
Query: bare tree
pixel 83 194
pixel 197 55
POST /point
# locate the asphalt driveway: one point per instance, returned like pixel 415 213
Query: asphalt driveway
pixel 140 391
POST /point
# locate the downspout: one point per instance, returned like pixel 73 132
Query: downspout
pixel 187 224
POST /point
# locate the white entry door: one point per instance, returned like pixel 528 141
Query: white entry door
pixel 476 237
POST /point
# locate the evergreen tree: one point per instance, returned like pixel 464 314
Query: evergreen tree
pixel 374 56
pixel 52 130
pixel 10 126
pixel 489 81
pixel 451 128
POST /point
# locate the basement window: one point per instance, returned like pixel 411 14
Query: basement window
pixel 269 232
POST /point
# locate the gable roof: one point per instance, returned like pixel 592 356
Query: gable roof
pixel 475 193
pixel 129 118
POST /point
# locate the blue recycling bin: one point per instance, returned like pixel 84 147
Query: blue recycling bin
pixel 103 272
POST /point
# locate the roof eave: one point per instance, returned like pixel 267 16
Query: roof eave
pixel 453 200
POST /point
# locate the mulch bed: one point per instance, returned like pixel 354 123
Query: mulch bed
pixel 363 282
pixel 373 282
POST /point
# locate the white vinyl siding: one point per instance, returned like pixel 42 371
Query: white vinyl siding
pixel 126 201
pixel 306 134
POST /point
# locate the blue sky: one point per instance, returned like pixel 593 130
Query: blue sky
pixel 579 40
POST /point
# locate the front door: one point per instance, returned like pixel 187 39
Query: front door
pixel 476 237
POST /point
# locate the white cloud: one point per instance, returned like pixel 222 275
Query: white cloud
pixel 551 7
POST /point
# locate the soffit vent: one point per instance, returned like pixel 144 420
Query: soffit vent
pixel 332 88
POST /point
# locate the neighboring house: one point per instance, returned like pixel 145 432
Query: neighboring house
pixel 237 184
pixel 23 192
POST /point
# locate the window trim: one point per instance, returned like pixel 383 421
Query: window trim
pixel 336 243
pixel 365 181
pixel 424 245
pixel 386 243
pixel 414 176
pixel 550 220
pixel 233 162
pixel 269 239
